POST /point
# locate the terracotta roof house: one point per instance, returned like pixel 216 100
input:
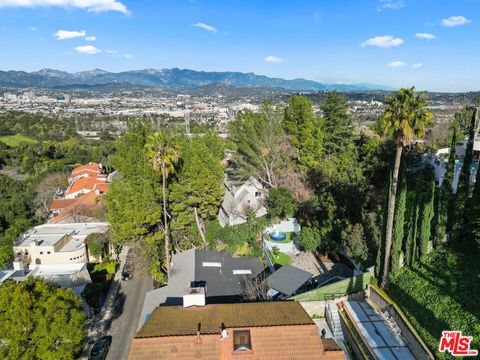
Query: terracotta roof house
pixel 85 185
pixel 82 209
pixel 92 169
pixel 246 331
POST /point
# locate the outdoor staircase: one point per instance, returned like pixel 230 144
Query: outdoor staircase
pixel 333 320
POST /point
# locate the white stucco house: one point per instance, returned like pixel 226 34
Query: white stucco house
pixel 56 243
pixel 241 198
pixel 439 161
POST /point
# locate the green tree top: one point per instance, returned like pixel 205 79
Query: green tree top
pixel 40 321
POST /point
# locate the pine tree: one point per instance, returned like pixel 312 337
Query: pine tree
pixel 399 226
pixel 304 127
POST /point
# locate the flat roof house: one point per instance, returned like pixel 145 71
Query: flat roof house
pixel 56 243
pixel 247 331
pixel 218 272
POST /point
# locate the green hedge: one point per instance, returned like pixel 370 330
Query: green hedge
pixel 339 288
pixel 440 293
pixel 109 267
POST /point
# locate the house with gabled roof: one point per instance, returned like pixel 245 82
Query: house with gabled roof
pixel 247 331
pixel 240 199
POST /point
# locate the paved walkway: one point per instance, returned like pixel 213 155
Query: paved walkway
pixel 126 314
pixel 121 311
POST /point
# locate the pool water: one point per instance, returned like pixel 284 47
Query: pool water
pixel 278 236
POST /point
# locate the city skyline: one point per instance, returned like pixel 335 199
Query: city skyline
pixel 429 44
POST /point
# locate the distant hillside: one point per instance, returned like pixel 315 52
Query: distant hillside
pixel 168 79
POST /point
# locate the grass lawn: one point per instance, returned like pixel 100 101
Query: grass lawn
pixel 279 259
pixel 342 287
pixel 441 293
pixel 16 140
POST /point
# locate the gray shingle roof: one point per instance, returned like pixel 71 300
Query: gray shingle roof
pixel 215 268
pixel 288 279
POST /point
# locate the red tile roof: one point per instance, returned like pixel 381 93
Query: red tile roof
pixel 101 187
pixel 61 203
pixel 278 330
pixel 92 168
pixel 299 342
pixel 84 206
pixel 177 320
pixel 86 183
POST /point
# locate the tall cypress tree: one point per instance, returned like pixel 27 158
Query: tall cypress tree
pixel 446 217
pixel 399 226
pixel 463 190
pixel 426 215
pixel 411 245
pixel 381 246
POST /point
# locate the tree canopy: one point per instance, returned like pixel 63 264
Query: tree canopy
pixel 40 321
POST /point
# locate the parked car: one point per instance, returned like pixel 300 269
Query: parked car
pixel 126 275
pixel 99 350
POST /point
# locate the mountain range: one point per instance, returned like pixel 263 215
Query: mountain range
pixel 167 78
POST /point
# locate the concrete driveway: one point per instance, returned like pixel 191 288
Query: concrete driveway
pixel 127 311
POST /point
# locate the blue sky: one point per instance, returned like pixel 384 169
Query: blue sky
pixel 432 44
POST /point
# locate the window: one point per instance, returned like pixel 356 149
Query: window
pixel 41 252
pixel 48 252
pixel 257 193
pixel 241 340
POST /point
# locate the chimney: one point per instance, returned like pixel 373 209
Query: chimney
pixel 194 296
pixel 199 339
pixel 18 265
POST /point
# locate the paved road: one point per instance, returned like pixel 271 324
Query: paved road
pixel 126 315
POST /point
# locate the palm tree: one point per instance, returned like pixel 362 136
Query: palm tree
pixel 164 157
pixel 405 119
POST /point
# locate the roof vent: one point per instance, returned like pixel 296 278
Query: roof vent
pixel 194 297
pixel 211 264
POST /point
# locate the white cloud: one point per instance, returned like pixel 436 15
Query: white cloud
pixel 390 5
pixel 417 66
pixel 455 21
pixel 129 56
pixel 274 59
pixel 397 64
pixel 87 49
pixel 207 27
pixel 33 28
pixel 383 41
pixel 91 38
pixel 111 51
pixel 96 6
pixel 66 34
pixel 426 36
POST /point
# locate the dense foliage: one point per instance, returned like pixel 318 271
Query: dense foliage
pixel 16 213
pixel 40 321
pixel 135 201
pixel 437 294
